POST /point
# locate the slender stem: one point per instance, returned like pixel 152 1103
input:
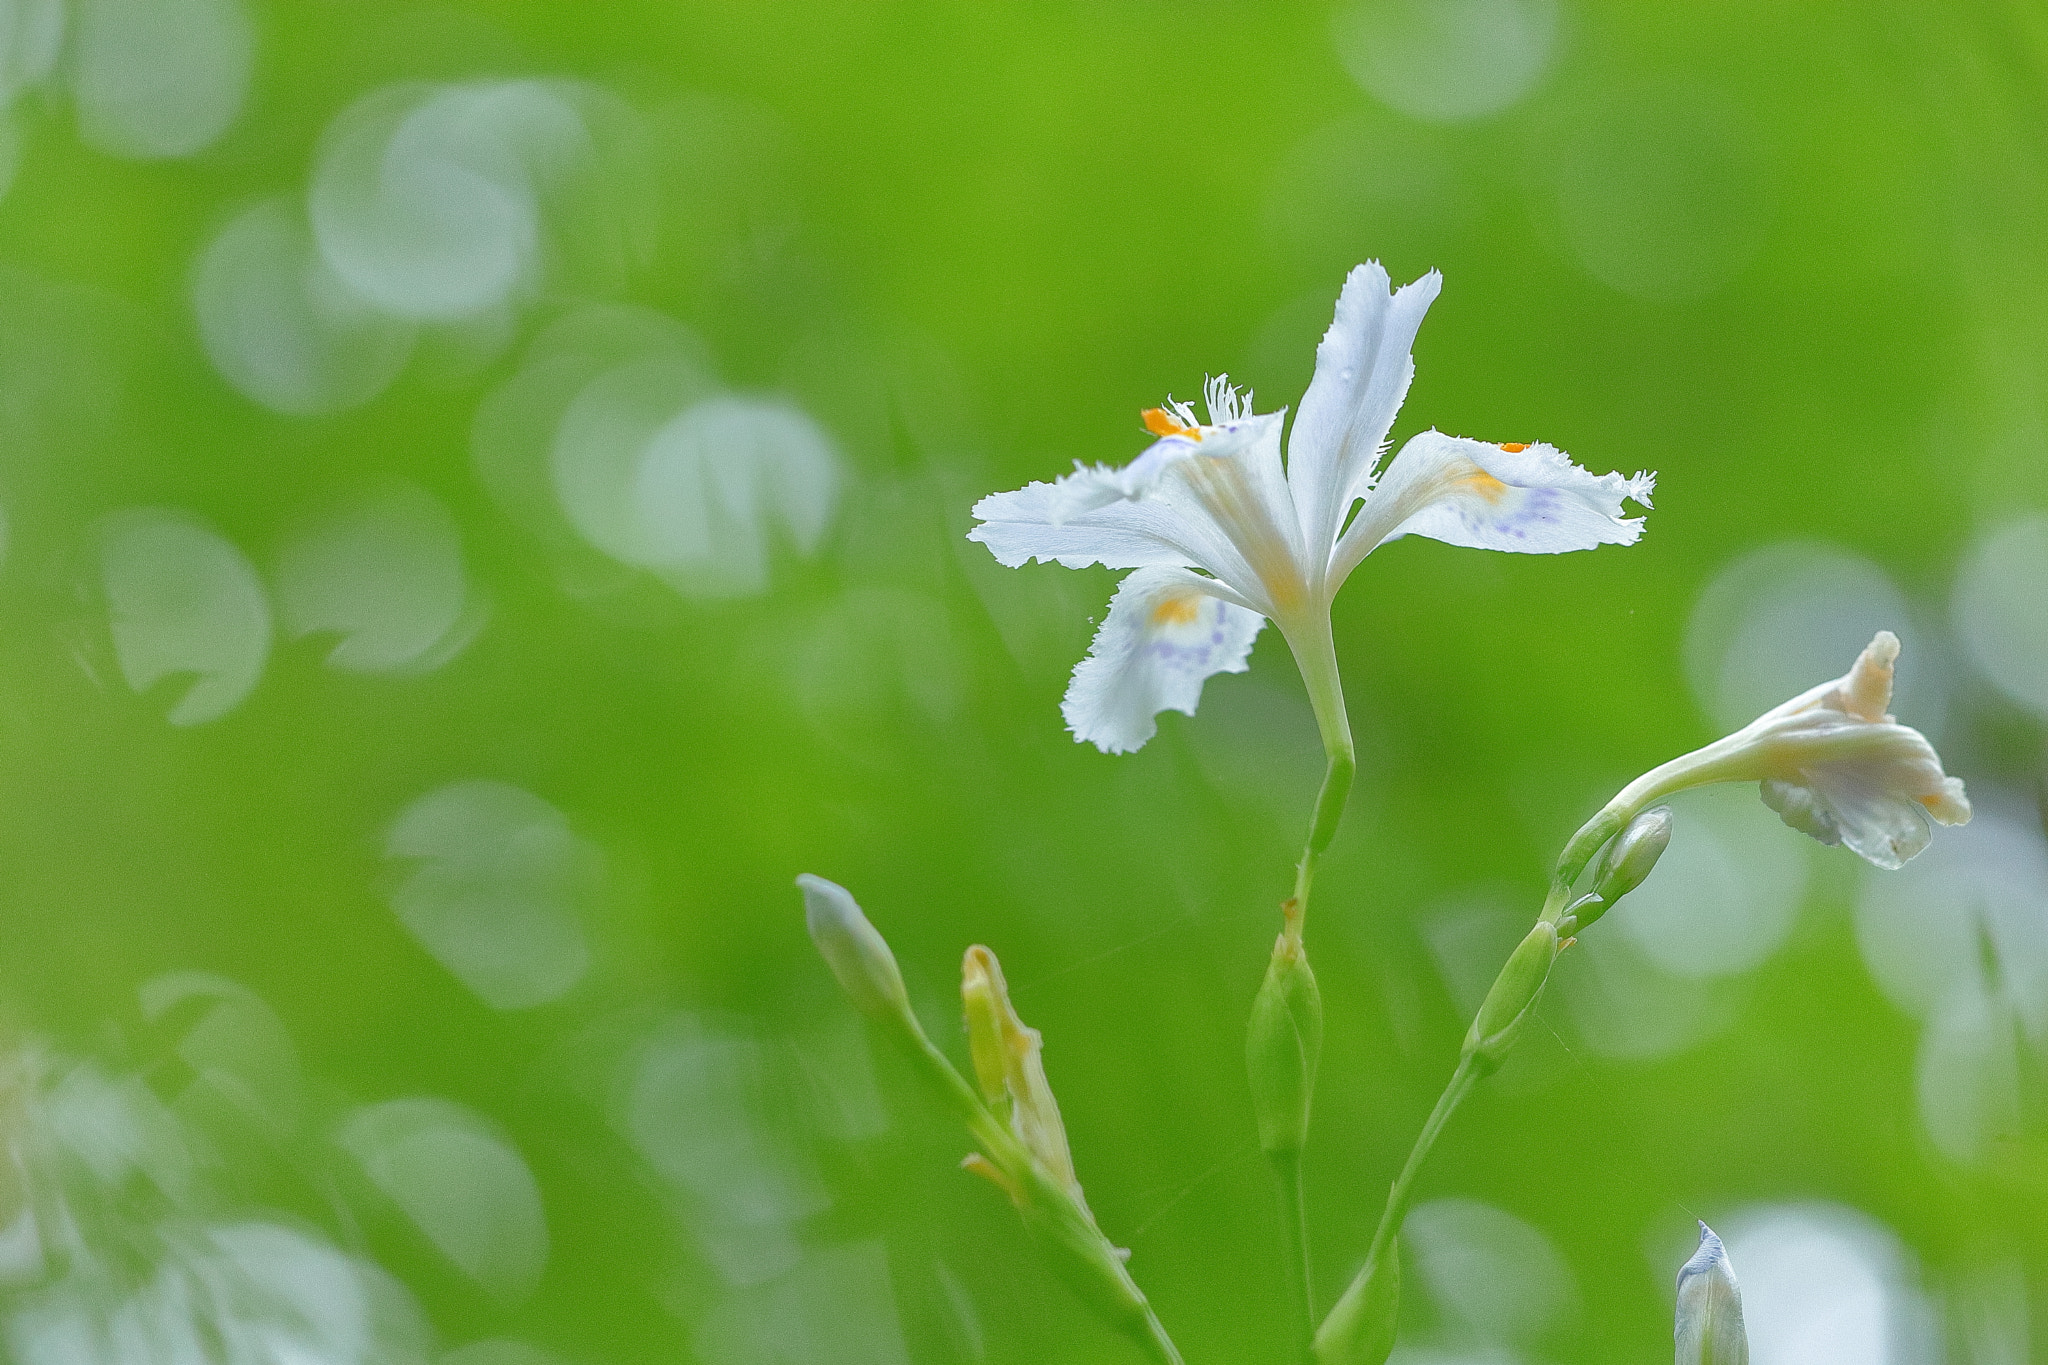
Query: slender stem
pixel 1315 650
pixel 1294 1212
pixel 1093 1251
pixel 1403 1191
pixel 1156 1340
pixel 1577 853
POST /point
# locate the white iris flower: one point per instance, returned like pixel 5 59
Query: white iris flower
pixel 1222 538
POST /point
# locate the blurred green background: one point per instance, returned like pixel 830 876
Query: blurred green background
pixel 484 491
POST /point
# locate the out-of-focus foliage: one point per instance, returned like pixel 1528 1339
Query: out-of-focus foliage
pixel 484 488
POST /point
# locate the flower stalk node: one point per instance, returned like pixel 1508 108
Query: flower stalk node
pixel 1580 913
pixel 1360 1329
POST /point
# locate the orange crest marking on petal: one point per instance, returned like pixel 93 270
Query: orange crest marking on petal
pixel 1160 422
pixel 1484 484
pixel 1182 610
pixel 1514 447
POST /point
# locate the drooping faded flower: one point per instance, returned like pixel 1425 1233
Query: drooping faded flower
pixel 1833 764
pixel 1224 538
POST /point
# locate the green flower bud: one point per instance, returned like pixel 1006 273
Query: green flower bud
pixel 1010 1068
pixel 1709 1330
pixel 1360 1329
pixel 1628 859
pixel 1282 1046
pixel 985 1006
pixel 1514 992
pixel 855 952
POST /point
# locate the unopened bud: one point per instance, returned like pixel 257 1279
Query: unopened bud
pixel 1709 1330
pixel 1628 859
pixel 855 951
pixel 1514 991
pixel 1009 1065
pixel 985 1001
pixel 1360 1329
pixel 1282 1046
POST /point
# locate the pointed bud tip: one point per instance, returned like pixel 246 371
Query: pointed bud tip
pixel 855 951
pixel 985 1003
pixel 979 968
pixel 1708 1328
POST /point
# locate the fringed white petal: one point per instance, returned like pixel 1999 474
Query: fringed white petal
pixel 1526 498
pixel 1218 503
pixel 1054 522
pixel 1167 631
pixel 1846 807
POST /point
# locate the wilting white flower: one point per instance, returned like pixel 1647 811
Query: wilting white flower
pixel 1223 538
pixel 1833 764
pixel 1709 1326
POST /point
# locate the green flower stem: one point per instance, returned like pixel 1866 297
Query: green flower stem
pixel 1294 1212
pixel 1157 1342
pixel 1482 1054
pixel 1329 811
pixel 1315 651
pixel 1081 1255
pixel 1402 1194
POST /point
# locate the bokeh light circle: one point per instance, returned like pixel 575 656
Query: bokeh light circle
pixel 2000 609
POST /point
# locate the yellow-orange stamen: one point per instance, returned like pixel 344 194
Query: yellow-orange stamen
pixel 1160 422
pixel 1514 447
